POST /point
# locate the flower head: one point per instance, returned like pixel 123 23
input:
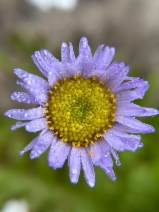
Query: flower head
pixel 85 110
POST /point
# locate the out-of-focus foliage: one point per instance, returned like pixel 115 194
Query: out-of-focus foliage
pixel 137 185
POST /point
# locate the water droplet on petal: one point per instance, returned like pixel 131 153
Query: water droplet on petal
pixel 118 163
pixel 141 145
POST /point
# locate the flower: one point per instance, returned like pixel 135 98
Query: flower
pixel 85 110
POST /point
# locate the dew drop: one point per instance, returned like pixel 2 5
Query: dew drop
pixel 118 163
pixel 140 144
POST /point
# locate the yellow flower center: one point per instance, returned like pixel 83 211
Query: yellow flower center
pixel 80 110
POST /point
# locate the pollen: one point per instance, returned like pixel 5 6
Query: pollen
pixel 80 110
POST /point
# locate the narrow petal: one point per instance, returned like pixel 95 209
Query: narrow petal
pixel 108 170
pixel 72 55
pixel 23 97
pixel 120 133
pixel 126 96
pixel 124 128
pixel 74 164
pixel 58 154
pixel 106 158
pixel 97 54
pixel 28 147
pixel 116 75
pixel 37 86
pixel 36 125
pixel 18 125
pixel 105 58
pixel 21 114
pixel 84 48
pixel 114 141
pixel 115 155
pixel 135 124
pixel 87 166
pixel 129 109
pixel 130 142
pixel 138 83
pixel 43 59
pixel 42 143
pixel 96 152
pixel 65 54
pixel 150 111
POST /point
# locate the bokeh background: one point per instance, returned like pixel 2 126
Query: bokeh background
pixel 132 27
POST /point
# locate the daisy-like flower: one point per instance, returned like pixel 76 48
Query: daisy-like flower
pixel 85 110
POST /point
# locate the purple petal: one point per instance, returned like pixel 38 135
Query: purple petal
pixel 57 72
pixel 135 124
pixel 21 114
pixel 129 109
pixel 124 128
pixel 28 147
pixel 97 54
pixel 18 125
pixel 37 86
pixel 96 152
pixel 105 58
pixel 58 154
pixel 108 170
pixel 115 75
pixel 126 96
pixel 72 55
pixel 87 166
pixel 130 142
pixel 120 133
pixel 74 164
pixel 42 143
pixel 114 141
pixel 23 97
pixel 43 59
pixel 115 155
pixel 84 48
pixel 65 53
pixel 150 111
pixel 36 125
pixel 106 158
pixel 140 84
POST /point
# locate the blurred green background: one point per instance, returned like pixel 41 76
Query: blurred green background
pixel 127 26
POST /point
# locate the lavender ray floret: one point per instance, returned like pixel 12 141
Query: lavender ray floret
pixel 43 59
pixel 29 146
pixel 23 97
pixel 124 128
pixel 96 152
pixel 114 141
pixel 37 86
pixel 87 166
pixel 116 77
pixel 129 109
pixel 115 155
pixel 58 154
pixel 74 164
pixel 97 54
pixel 105 58
pixel 126 96
pixel 136 83
pixel 36 125
pixel 21 114
pixel 135 124
pixel 84 49
pixel 42 143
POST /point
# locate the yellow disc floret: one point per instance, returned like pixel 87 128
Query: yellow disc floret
pixel 80 110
